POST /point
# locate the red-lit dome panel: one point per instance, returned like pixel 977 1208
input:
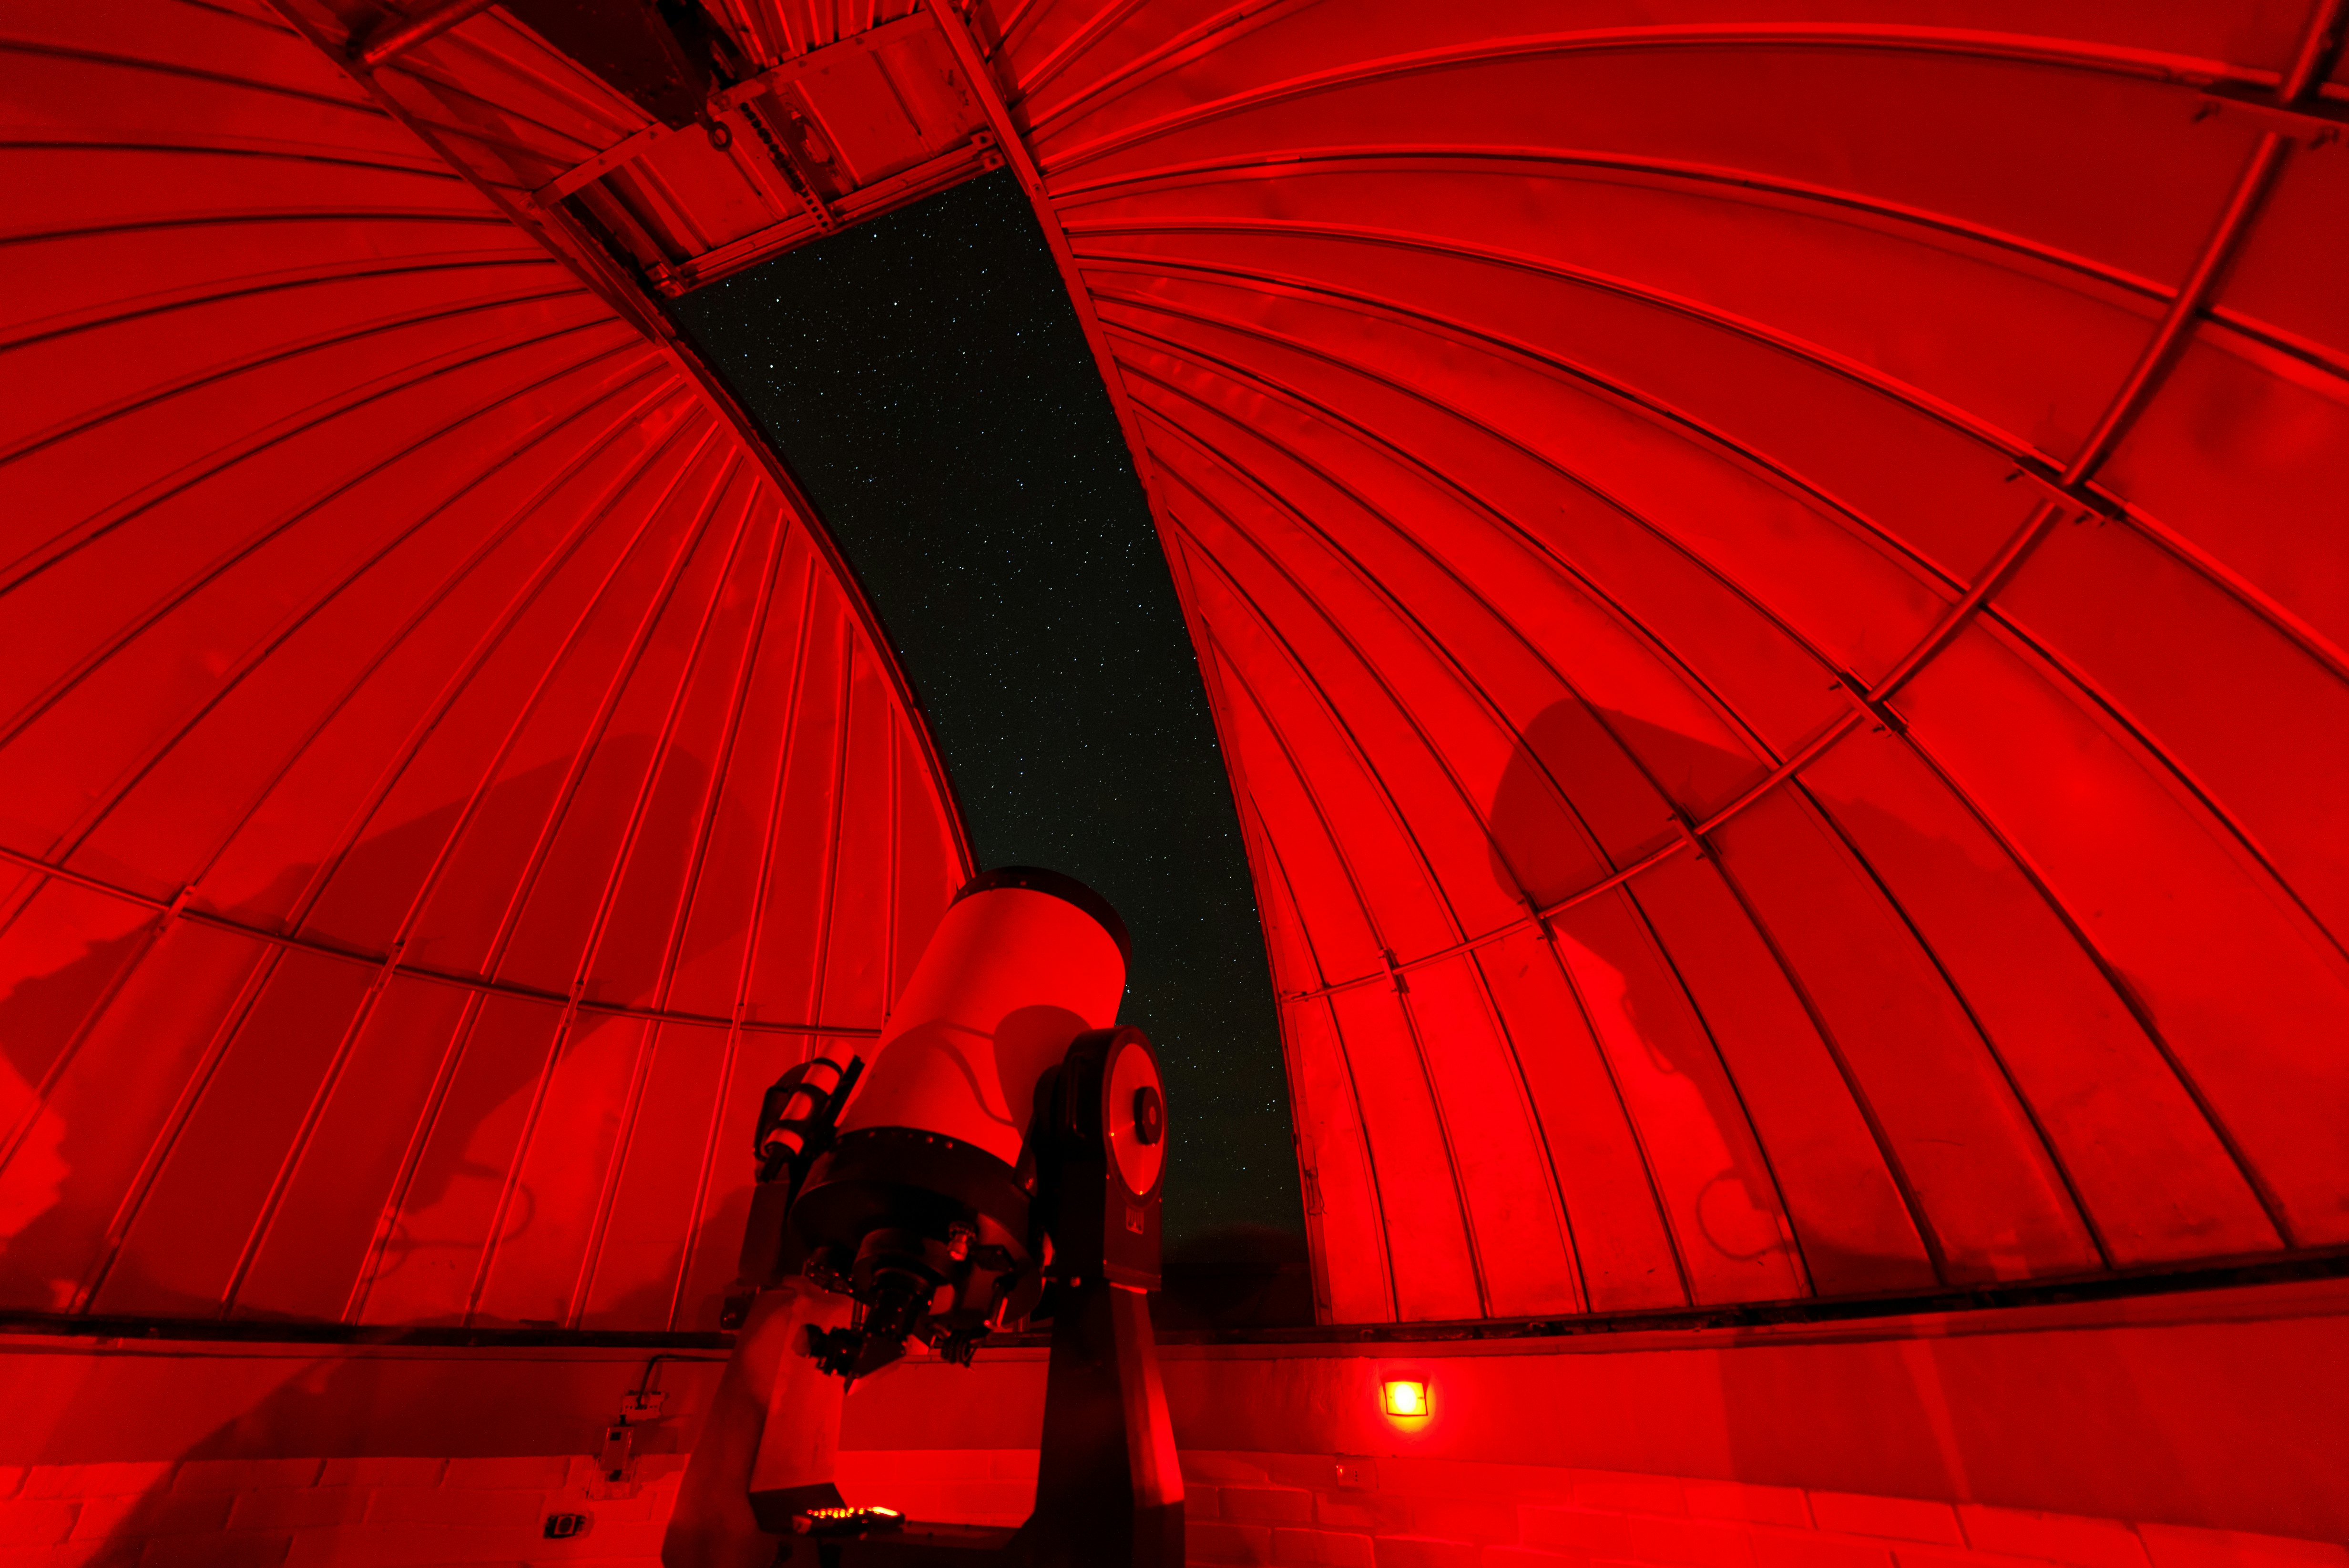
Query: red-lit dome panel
pixel 1770 580
pixel 442 779
pixel 1785 751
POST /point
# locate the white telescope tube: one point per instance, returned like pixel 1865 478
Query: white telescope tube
pixel 1022 963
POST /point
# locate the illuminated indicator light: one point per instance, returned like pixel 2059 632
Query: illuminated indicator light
pixel 846 1521
pixel 1403 1399
pixel 834 1515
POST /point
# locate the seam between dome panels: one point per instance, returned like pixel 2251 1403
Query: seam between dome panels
pixel 231 680
pixel 1220 31
pixel 1538 921
pixel 2270 1204
pixel 1569 578
pixel 461 1036
pixel 1617 394
pixel 428 884
pixel 1958 43
pixel 115 313
pixel 1678 178
pixel 1312 800
pixel 730 1053
pixel 1504 1037
pixel 680 921
pixel 1371 584
pixel 212 142
pixel 208 465
pixel 1683 180
pixel 1785 1213
pixel 2041 471
pixel 624 855
pixel 1404 712
pixel 1345 862
pixel 1312 1156
pixel 586 260
pixel 836 808
pixel 178 906
pixel 1953 621
pixel 193 73
pixel 1815 356
pixel 2069 488
pixel 1439 759
pixel 116 1239
pixel 72 837
pixel 686 550
pixel 2030 49
pixel 2120 411
pixel 2134 392
pixel 474 983
pixel 335 337
pixel 2030 463
pixel 456 686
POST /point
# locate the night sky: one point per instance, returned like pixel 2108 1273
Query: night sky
pixel 925 376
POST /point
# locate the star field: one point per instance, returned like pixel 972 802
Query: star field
pixel 925 378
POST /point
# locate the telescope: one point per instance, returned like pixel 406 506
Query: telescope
pixel 1003 1136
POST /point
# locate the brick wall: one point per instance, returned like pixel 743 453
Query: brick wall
pixel 348 1512
pixel 1286 1510
pixel 2195 1431
pixel 1304 1509
pixel 2220 1410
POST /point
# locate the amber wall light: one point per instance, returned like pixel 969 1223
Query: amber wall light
pixel 1404 1397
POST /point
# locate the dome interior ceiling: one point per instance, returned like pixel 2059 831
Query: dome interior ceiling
pixel 1769 581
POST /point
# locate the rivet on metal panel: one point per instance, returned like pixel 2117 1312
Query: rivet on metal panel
pixel 1875 708
pixel 2309 127
pixel 1690 835
pixel 401 35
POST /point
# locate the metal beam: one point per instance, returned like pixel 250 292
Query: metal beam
pixel 391 965
pixel 422 28
pixel 629 149
pixel 1022 164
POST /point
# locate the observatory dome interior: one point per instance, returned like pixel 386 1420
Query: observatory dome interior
pixel 1770 584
